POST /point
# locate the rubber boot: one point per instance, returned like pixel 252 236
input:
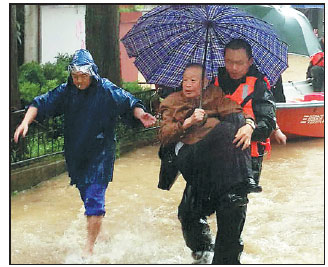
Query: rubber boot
pixel 202 257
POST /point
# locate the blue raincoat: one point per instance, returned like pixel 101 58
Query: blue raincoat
pixel 90 116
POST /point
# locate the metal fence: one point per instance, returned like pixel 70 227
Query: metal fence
pixel 47 138
pixel 43 139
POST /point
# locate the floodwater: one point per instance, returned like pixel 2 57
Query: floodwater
pixel 284 225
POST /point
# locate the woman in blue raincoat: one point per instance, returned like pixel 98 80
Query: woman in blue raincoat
pixel 91 106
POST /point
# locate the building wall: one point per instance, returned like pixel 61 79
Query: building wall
pixel 62 30
pixel 128 70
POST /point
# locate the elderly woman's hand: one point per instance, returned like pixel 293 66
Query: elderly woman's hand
pixel 196 118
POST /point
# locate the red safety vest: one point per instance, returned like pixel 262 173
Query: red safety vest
pixel 318 59
pixel 243 91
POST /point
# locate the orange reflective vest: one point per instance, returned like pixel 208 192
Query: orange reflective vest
pixel 243 91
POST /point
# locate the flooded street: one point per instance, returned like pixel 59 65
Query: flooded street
pixel 284 225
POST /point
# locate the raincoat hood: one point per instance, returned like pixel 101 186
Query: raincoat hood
pixel 82 59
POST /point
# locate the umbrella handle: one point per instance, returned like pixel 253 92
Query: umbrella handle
pixel 208 25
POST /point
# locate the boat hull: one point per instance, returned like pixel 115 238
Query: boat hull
pixel 301 119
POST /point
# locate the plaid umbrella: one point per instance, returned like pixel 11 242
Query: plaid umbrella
pixel 166 39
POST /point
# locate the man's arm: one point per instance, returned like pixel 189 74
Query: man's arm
pixel 48 104
pixel 264 109
pixel 129 107
pixel 29 117
pixel 146 118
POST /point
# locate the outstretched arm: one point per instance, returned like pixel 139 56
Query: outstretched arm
pixel 146 118
pixel 28 119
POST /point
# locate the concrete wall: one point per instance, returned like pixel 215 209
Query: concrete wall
pixel 25 178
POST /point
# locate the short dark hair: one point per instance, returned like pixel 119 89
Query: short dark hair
pixel 239 44
pixel 198 65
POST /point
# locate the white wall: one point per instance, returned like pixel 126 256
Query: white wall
pixel 62 30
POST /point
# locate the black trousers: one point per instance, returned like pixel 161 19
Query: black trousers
pixel 213 169
pixel 196 231
pixel 229 244
pixel 193 213
pixel 318 75
pixel 257 168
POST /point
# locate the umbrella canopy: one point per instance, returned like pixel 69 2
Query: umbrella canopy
pixel 308 6
pixel 291 25
pixel 166 39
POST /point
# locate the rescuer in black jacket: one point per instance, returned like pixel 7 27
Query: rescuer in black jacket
pixel 238 79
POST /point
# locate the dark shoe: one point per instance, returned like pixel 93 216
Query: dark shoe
pixel 252 186
pixel 202 257
pixel 238 200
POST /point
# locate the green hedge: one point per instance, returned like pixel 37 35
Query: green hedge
pixel 35 79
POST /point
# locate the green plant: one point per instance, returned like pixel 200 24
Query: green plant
pixel 132 87
pixel 64 60
pixel 127 8
pixel 35 79
pixel 142 92
pixel 28 91
pixel 50 84
pixel 55 72
pixel 31 72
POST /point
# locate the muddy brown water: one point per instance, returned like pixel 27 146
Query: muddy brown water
pixel 284 225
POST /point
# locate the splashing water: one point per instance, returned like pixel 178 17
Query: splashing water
pixel 284 224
